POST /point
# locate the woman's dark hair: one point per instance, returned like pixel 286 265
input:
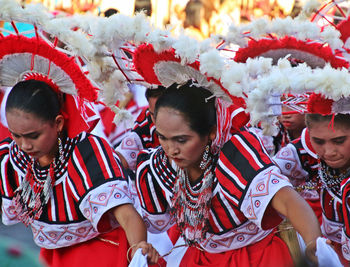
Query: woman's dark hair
pixel 35 97
pixel 339 119
pixel 195 103
pixel 110 11
pixel 154 92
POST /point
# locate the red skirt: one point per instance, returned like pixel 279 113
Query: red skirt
pixel 269 252
pixel 91 253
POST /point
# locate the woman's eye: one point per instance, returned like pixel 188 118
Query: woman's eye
pixel 339 141
pixel 318 142
pixel 15 135
pixel 33 136
pixel 181 140
pixel 160 137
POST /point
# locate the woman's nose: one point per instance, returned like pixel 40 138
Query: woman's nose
pixel 26 145
pixel 329 150
pixel 173 150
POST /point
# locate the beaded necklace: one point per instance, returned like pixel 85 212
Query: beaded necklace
pixel 329 179
pixel 191 207
pixel 35 190
pixel 33 193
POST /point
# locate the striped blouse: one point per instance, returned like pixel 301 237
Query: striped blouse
pixel 142 136
pixel 88 182
pixel 244 184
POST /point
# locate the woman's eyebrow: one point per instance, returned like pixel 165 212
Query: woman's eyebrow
pixel 24 135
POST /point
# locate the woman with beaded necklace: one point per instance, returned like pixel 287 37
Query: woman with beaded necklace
pixel 322 161
pixel 218 185
pixel 65 183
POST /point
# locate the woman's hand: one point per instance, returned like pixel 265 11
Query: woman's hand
pixel 310 252
pixel 147 248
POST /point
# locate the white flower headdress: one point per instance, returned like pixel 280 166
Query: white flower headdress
pixel 325 90
pixel 277 38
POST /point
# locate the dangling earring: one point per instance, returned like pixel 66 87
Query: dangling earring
pixel 205 158
pixel 60 150
pixel 164 159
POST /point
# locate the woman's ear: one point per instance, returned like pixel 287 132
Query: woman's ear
pixel 59 122
pixel 212 134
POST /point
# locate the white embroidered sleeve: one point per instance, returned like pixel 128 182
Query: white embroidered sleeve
pixel 129 148
pixel 104 197
pixel 288 161
pixel 158 223
pixel 345 241
pixel 260 192
pixel 8 215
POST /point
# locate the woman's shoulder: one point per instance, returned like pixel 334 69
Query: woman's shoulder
pixel 242 156
pixel 145 155
pixel 85 139
pixel 86 146
pixel 245 144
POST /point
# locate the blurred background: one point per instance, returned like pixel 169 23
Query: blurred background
pixel 200 17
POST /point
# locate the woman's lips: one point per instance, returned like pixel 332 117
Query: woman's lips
pixel 287 123
pixel 177 160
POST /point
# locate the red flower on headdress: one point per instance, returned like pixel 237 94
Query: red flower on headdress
pixel 319 104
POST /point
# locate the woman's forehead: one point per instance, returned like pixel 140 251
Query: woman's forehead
pixel 19 119
pixel 328 128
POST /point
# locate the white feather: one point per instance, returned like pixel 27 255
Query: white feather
pixel 186 48
pixel 308 8
pixel 331 36
pixel 211 63
pixel 122 117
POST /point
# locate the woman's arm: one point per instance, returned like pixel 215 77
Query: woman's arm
pixel 135 230
pixel 290 204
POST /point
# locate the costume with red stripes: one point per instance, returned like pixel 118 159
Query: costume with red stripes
pixel 89 181
pixel 300 163
pixel 4 132
pixel 241 220
pixel 143 135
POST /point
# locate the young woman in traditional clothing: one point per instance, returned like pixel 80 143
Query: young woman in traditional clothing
pixel 319 164
pixel 217 183
pixel 63 182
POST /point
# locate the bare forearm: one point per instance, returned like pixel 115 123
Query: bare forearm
pixel 135 231
pixel 290 204
pixel 132 223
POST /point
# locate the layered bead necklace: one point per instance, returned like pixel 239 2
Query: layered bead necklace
pixel 329 179
pixel 191 207
pixel 34 192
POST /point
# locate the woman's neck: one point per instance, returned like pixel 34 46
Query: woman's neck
pixel 194 173
pixel 49 158
pixel 294 134
pixel 45 161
